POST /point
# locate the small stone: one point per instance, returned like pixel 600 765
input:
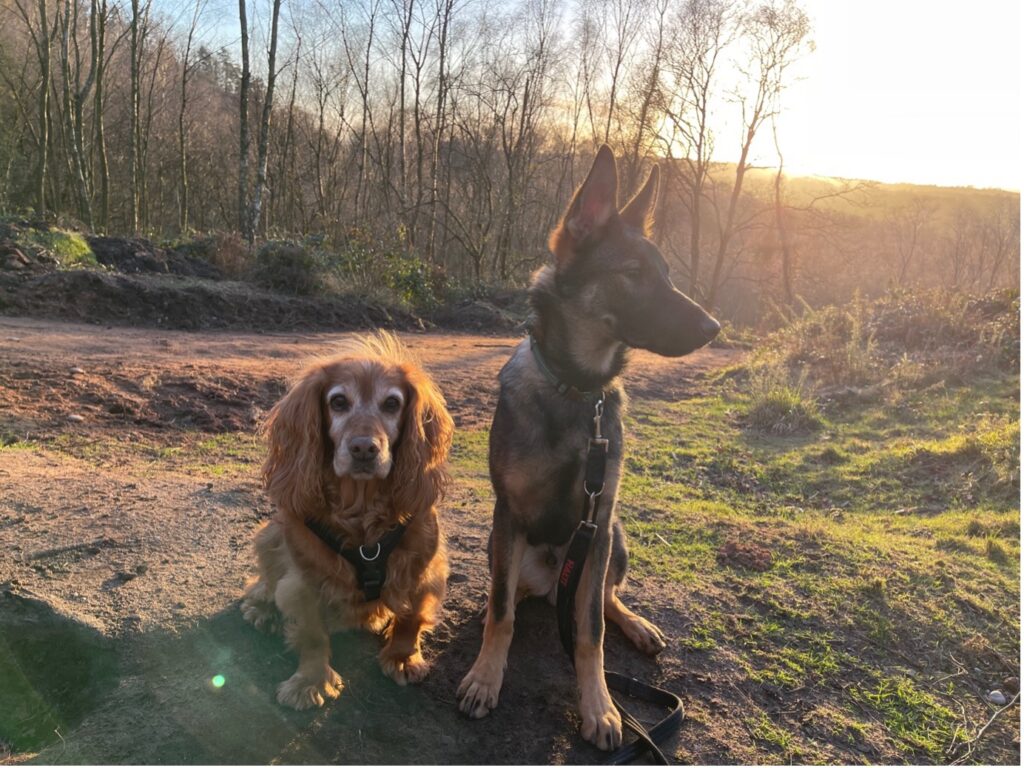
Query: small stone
pixel 76 417
pixel 76 371
pixel 997 697
pixel 1011 684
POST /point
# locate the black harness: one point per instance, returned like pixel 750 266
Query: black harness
pixel 569 580
pixel 370 561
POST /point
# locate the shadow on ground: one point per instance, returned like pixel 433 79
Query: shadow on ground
pixel 77 697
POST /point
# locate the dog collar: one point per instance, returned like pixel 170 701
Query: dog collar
pixel 573 393
pixel 369 560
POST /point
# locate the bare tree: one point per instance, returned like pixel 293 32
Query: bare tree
pixel 264 134
pixel 703 31
pixel 777 33
pixel 243 127
pixel 139 27
pixel 187 66
pixel 40 31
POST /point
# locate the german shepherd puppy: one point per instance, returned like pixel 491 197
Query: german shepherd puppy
pixel 608 291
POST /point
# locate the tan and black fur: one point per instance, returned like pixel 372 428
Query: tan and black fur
pixel 608 291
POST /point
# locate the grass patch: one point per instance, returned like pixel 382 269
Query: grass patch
pixel 779 406
pixel 911 715
pixel 70 249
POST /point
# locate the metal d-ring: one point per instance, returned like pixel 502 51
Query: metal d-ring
pixel 369 559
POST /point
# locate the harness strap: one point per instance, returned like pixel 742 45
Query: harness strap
pixel 369 560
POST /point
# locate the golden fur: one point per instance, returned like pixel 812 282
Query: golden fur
pixel 314 589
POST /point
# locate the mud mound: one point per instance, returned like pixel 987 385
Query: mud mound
pixel 477 315
pixel 138 255
pixel 167 301
pixel 749 556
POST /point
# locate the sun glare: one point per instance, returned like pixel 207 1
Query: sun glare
pixel 925 92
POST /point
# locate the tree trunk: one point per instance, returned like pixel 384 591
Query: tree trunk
pixel 264 137
pixel 99 44
pixel 43 51
pixel 133 144
pixel 442 87
pixel 243 129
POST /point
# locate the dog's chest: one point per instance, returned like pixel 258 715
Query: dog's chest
pixel 538 456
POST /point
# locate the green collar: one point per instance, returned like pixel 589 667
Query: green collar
pixel 568 390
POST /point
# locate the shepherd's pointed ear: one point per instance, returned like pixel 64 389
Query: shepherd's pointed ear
pixel 596 198
pixel 591 208
pixel 639 212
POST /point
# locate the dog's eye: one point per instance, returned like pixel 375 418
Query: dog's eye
pixel 391 405
pixel 632 269
pixel 339 403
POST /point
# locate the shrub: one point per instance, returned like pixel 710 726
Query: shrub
pixel 225 250
pixel 779 405
pixel 903 339
pixel 70 249
pixel 363 262
pixel 285 266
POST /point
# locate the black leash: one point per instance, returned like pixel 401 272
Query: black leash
pixel 568 582
pixel 370 561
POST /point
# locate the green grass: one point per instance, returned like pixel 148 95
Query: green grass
pixel 911 715
pixel 69 248
pixel 895 540
pixel 230 454
pixel 894 532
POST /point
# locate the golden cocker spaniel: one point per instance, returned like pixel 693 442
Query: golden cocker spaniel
pixel 356 464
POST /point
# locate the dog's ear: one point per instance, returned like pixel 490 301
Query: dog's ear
pixel 419 476
pixel 639 212
pixel 591 208
pixel 293 471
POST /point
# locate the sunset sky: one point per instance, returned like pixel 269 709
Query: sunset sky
pixel 909 90
pixel 924 91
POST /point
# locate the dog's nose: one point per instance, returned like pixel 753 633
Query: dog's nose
pixel 363 448
pixel 710 327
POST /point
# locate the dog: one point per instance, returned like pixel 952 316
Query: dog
pixel 607 292
pixel 355 467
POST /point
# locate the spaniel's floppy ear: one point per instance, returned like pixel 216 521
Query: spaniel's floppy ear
pixel 419 477
pixel 292 473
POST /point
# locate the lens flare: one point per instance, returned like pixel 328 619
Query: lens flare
pixel 218 681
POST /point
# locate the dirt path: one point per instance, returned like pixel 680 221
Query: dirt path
pixel 127 546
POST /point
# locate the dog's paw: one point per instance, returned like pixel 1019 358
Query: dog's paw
pixel 602 725
pixel 262 615
pixel 405 669
pixel 646 637
pixel 299 692
pixel 478 691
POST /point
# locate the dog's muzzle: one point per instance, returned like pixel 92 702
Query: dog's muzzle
pixel 363 458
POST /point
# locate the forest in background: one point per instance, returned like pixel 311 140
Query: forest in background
pixel 444 137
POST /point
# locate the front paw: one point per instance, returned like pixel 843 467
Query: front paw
pixel 478 691
pixel 405 669
pixel 299 692
pixel 602 725
pixel 262 615
pixel 647 637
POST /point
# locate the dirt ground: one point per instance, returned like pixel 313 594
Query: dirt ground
pixel 123 567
